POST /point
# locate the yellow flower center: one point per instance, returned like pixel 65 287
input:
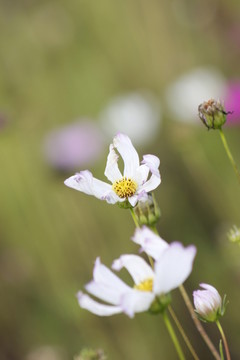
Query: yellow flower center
pixel 125 187
pixel 146 285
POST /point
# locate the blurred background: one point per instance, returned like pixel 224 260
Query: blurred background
pixel 73 73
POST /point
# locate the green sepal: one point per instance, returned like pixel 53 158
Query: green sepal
pixel 160 304
pixel 125 205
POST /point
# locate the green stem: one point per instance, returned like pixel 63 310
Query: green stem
pixel 224 340
pixel 198 323
pixel 134 217
pixel 182 332
pixel 229 154
pixel 138 226
pixel 173 336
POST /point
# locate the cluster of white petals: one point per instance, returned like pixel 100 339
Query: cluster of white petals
pixel 135 182
pixel 172 266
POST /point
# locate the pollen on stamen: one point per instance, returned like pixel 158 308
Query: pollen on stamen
pixel 125 187
pixel 146 285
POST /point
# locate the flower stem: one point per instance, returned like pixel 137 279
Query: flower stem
pixel 224 340
pixel 198 323
pixel 173 336
pixel 137 226
pixel 229 154
pixel 134 218
pixel 182 332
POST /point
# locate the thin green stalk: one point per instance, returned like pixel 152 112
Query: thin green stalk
pixel 224 340
pixel 137 226
pixel 173 336
pixel 134 218
pixel 182 332
pixel 229 154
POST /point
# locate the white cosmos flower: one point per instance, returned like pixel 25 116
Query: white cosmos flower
pixel 132 185
pixel 170 271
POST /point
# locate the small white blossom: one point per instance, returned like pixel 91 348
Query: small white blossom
pixel 207 302
pixel 185 94
pixel 136 114
pixel 133 185
pixel 170 271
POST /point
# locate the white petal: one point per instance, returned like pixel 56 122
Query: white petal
pixel 108 293
pixel 96 308
pixel 142 174
pixel 85 182
pixel 104 276
pixel 150 184
pixel 153 163
pixel 128 153
pixel 173 267
pixel 133 200
pixel 136 266
pixel 150 243
pixel 112 171
pixel 136 301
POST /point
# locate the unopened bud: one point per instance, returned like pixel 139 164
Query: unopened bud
pixel 212 114
pixel 234 234
pixel 147 212
pixel 209 305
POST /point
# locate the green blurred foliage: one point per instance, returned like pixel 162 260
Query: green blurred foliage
pixel 64 59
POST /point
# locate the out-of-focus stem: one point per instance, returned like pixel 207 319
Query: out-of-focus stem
pixel 224 340
pixel 173 336
pixel 182 332
pixel 229 154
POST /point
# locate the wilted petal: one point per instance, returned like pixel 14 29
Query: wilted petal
pixel 86 183
pixel 86 302
pixel 112 171
pixel 136 301
pixel 150 243
pixel 136 266
pixel 153 163
pixel 173 267
pixel 128 153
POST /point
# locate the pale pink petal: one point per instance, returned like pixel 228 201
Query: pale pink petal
pixel 141 174
pixel 128 153
pixel 104 276
pixel 150 243
pixel 173 267
pixel 86 302
pixel 86 183
pixel 136 301
pixel 109 293
pixel 150 184
pixel 136 266
pixel 153 163
pixel 112 171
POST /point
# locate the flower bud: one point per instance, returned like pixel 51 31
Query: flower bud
pixel 234 234
pixel 147 212
pixel 212 114
pixel 208 303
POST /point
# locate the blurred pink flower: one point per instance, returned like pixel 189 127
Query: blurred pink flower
pixel 72 146
pixel 232 102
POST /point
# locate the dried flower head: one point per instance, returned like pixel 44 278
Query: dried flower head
pixel 212 114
